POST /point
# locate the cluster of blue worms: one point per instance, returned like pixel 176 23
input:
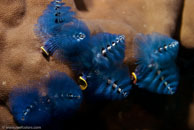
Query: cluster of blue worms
pixel 98 62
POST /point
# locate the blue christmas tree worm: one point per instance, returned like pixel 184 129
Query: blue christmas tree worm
pixel 55 97
pixel 60 30
pixel 156 69
pixel 111 84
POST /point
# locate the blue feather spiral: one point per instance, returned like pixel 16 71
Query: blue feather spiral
pixel 53 18
pixel 156 70
pixel 111 84
pixel 61 31
pixel 108 49
pixel 58 97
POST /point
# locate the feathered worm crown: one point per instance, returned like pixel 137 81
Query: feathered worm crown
pixel 98 61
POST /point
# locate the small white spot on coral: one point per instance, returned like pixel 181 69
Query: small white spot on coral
pixel 4 83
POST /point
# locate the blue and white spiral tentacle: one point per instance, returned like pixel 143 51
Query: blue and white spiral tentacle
pixel 112 84
pixel 58 97
pixel 156 68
